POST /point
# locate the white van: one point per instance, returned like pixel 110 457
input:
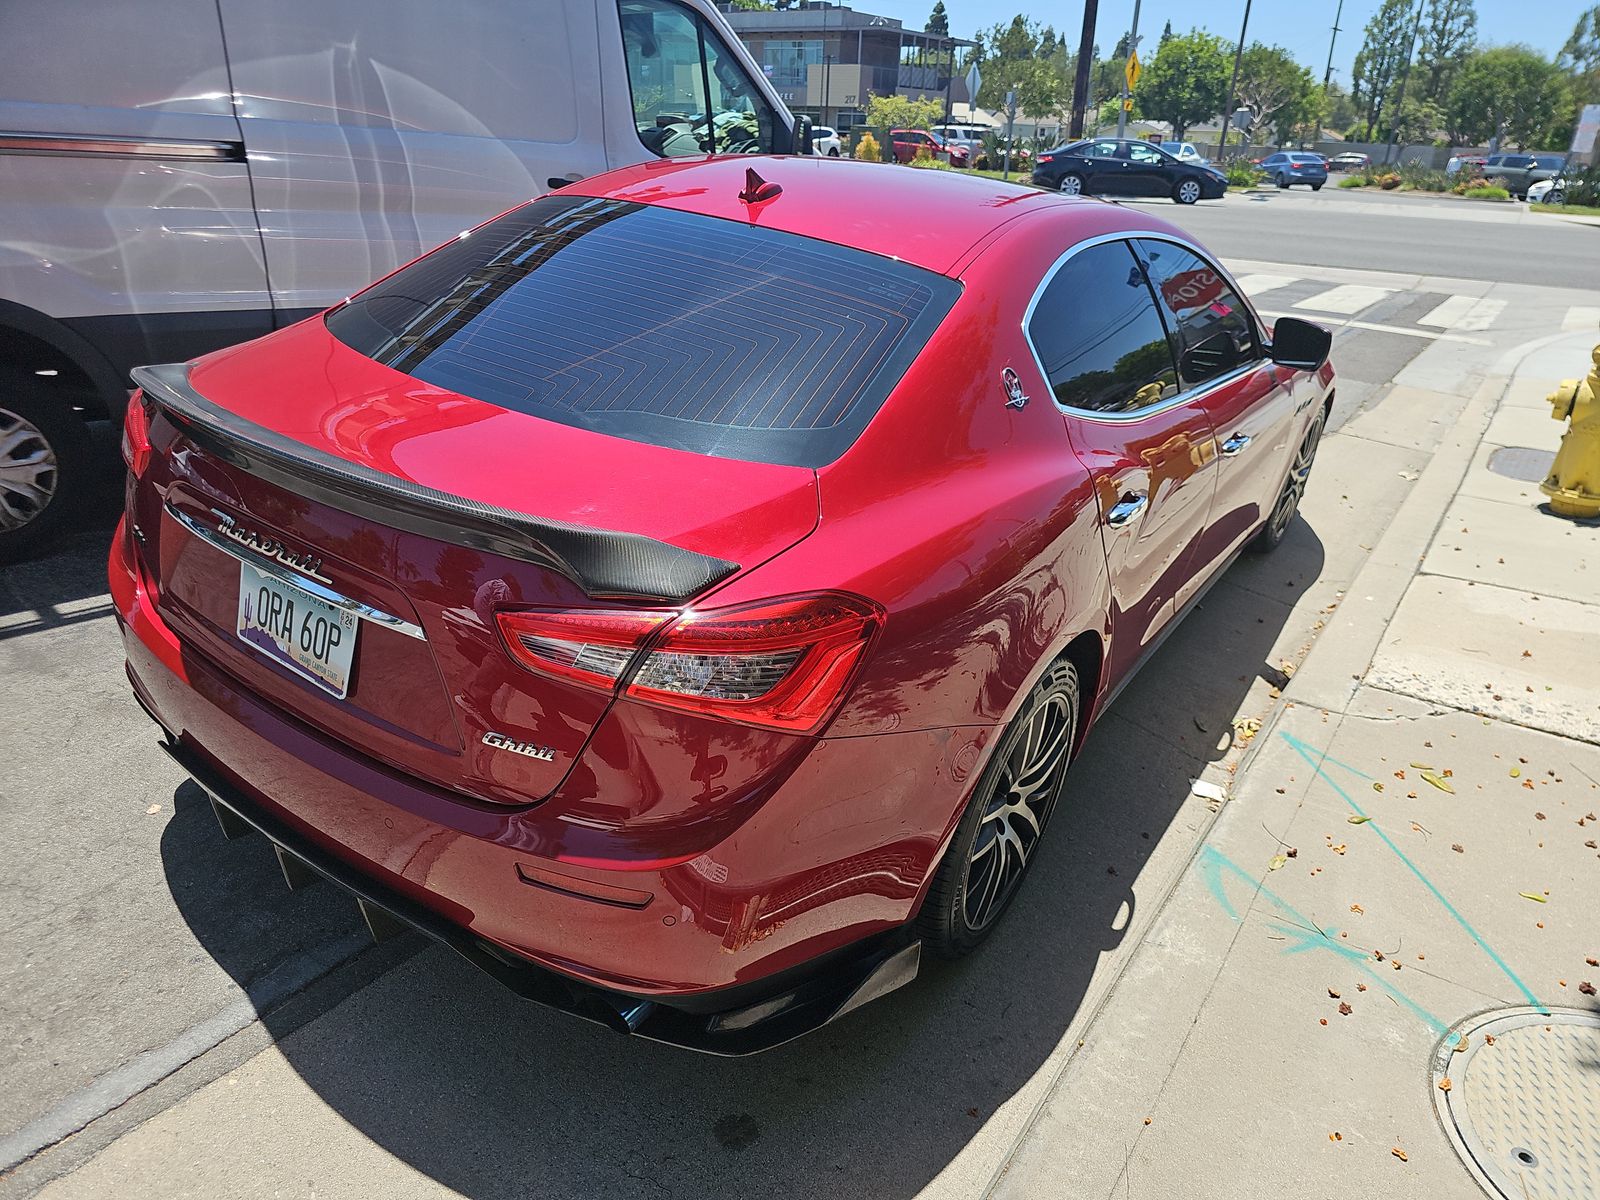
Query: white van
pixel 179 175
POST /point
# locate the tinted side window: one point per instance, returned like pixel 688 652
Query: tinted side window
pixel 1214 332
pixel 672 60
pixel 1099 336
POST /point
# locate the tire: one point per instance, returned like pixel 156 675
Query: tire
pixel 1283 182
pixel 1187 191
pixel 1555 197
pixel 985 864
pixel 1316 187
pixel 1071 184
pixel 1292 492
pixel 834 153
pixel 43 464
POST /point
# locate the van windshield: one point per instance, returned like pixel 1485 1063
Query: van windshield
pixel 658 326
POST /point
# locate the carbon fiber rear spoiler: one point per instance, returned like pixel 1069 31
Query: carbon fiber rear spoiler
pixel 604 563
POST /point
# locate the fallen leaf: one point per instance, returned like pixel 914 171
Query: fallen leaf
pixel 1538 816
pixel 1516 772
pixel 1147 1120
pixel 1456 846
pixel 1361 820
pixel 1533 896
pixel 1438 782
pixel 1593 962
pixel 1336 1136
pixel 1488 1039
pixel 1277 861
pixel 1461 1044
pixel 1586 988
pixel 1322 1021
pixel 1376 786
pixel 1292 852
pixel 972 1112
pixel 1421 766
pixel 1357 909
pixel 1344 1008
pixel 1361 987
pixel 1400 1154
pixel 1444 1084
pixel 1333 994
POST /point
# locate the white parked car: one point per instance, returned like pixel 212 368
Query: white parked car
pixel 1184 152
pixel 825 141
pixel 1547 191
pixel 180 175
pixel 963 137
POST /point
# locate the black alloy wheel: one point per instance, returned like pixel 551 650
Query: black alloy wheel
pixel 1005 818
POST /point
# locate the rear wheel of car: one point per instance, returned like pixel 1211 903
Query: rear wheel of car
pixel 995 843
pixel 1187 192
pixel 1071 184
pixel 1293 490
pixel 1316 187
pixel 834 153
pixel 43 450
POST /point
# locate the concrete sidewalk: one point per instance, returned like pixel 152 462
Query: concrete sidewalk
pixel 1413 843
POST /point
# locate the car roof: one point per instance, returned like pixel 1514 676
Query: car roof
pixel 927 218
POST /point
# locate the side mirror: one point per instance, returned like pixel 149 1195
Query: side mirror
pixel 801 143
pixel 1299 344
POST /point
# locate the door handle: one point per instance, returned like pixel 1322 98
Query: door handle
pixel 1235 444
pixel 1126 509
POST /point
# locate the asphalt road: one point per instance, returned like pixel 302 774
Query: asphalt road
pixel 1376 231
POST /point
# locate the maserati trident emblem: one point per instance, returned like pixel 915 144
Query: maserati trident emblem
pixel 500 741
pixel 269 547
pixel 1015 396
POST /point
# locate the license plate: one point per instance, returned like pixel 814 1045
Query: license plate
pixel 312 638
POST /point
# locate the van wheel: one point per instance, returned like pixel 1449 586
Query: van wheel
pixel 43 452
pixel 1005 819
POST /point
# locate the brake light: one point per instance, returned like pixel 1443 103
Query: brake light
pixel 784 663
pixel 1044 158
pixel 136 446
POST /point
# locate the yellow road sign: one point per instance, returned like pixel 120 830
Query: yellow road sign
pixel 1127 105
pixel 1134 70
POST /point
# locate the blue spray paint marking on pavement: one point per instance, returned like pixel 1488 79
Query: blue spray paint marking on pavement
pixel 1305 751
pixel 1303 933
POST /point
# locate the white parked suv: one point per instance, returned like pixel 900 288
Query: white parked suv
pixel 966 137
pixel 180 175
pixel 825 141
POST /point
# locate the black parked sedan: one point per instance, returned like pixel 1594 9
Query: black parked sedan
pixel 1118 167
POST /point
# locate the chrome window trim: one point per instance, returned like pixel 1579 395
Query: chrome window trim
pixel 1183 397
pixel 269 566
pixel 102 146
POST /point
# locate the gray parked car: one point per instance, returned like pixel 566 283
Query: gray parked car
pixel 1517 172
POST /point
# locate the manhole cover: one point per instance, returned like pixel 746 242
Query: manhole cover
pixel 1522 462
pixel 1523 1109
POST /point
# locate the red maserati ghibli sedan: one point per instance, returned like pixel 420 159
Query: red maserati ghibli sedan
pixel 683 594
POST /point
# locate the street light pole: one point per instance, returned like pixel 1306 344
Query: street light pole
pixel 1133 48
pixel 1080 82
pixel 827 73
pixel 949 75
pixel 1227 116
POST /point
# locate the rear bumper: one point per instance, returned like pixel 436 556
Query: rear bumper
pixel 732 952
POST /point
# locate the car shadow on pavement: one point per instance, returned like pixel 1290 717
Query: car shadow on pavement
pixel 494 1097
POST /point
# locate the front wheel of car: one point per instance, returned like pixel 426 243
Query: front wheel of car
pixel 1293 490
pixel 43 451
pixel 1554 197
pixel 834 153
pixel 1283 181
pixel 1005 818
pixel 1071 184
pixel 1187 192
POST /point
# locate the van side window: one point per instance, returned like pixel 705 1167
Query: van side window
pixel 1213 332
pixel 1098 335
pixel 674 61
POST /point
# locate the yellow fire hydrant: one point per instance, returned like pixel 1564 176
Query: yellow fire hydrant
pixel 1574 482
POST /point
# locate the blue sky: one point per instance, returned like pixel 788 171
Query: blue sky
pixel 1300 26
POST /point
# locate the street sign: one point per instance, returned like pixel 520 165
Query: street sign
pixel 1127 104
pixel 1242 116
pixel 1133 70
pixel 974 84
pixel 1588 127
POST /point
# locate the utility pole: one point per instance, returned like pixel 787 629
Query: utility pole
pixel 1133 51
pixel 1327 74
pixel 1400 95
pixel 1227 116
pixel 1080 82
pixel 950 76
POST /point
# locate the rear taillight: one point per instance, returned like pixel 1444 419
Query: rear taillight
pixel 783 663
pixel 136 434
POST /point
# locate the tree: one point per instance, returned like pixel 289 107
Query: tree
pixel 901 112
pixel 1010 56
pixel 1385 45
pixel 1186 81
pixel 1275 88
pixel 938 20
pixel 1166 34
pixel 1449 32
pixel 1512 92
pixel 1582 51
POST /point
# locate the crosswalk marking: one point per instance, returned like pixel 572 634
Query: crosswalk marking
pixel 1255 285
pixel 1347 298
pixel 1464 312
pixel 1581 317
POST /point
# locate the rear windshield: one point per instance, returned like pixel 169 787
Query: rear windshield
pixel 657 326
pixel 1305 158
